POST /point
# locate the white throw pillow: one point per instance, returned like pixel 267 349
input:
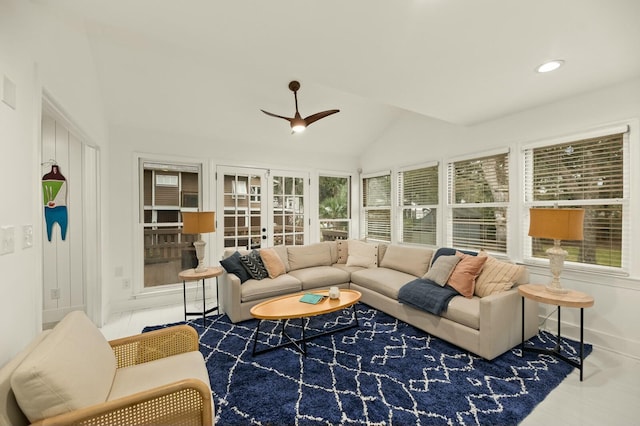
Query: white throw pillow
pixel 362 254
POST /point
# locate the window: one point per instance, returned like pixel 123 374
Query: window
pixel 589 173
pixel 478 192
pixel 417 205
pixel 167 191
pixel 376 206
pixel 334 208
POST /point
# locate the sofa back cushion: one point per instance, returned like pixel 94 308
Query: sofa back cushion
pixel 362 254
pixel 72 368
pixel 411 260
pixel 300 257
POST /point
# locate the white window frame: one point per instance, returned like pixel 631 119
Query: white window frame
pixel 624 202
pixel 364 209
pixel 451 204
pixel 400 207
pixel 350 200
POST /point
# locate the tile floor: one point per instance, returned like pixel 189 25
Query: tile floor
pixel 609 394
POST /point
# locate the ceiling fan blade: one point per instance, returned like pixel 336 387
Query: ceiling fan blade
pixel 276 115
pixel 318 115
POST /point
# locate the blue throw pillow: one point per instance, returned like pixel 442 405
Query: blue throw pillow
pixel 233 265
pixel 252 262
pixel 446 251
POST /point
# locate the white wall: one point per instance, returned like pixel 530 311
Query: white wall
pixel 127 143
pixel 37 52
pixel 612 322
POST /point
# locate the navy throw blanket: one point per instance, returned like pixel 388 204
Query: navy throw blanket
pixel 426 295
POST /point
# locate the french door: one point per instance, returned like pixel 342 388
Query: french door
pixel 261 207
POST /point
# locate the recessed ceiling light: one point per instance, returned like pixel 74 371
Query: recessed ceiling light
pixel 550 66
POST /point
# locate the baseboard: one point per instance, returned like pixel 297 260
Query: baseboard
pixel 598 339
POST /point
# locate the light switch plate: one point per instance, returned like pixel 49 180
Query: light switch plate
pixel 7 244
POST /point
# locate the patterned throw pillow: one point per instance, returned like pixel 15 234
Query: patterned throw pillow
pixel 496 276
pixel 254 266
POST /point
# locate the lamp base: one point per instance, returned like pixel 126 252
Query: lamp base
pixel 556 290
pixel 556 261
pixel 199 245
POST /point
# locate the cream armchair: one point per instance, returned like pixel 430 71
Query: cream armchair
pixel 72 375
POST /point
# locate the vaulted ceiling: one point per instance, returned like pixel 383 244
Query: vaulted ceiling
pixel 206 68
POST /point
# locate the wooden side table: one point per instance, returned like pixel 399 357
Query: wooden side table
pixel 571 299
pixel 192 275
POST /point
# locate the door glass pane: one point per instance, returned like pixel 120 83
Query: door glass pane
pixel 288 210
pixel 242 211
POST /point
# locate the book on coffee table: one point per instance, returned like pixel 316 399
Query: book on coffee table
pixel 312 298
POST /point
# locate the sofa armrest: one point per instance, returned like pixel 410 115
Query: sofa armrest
pixel 231 296
pixel 501 321
pixel 184 402
pixel 154 345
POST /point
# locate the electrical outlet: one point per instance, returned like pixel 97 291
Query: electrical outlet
pixel 7 240
pixel 55 293
pixel 126 283
pixel 27 236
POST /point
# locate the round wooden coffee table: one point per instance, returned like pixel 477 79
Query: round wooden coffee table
pixel 290 307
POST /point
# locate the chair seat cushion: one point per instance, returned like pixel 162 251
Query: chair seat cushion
pixel 72 368
pixel 163 371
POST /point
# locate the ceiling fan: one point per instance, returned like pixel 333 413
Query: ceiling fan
pixel 298 124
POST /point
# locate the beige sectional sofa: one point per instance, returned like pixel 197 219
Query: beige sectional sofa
pixel 486 326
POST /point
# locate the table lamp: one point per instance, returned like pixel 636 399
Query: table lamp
pixel 556 224
pixel 199 223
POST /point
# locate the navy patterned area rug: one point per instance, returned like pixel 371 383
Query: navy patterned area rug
pixel 383 372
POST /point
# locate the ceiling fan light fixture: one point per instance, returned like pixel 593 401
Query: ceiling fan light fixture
pixel 298 128
pixel 550 66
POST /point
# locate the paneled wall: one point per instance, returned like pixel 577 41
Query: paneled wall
pixel 63 260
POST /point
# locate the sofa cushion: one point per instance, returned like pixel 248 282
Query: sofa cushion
pixel 233 265
pixel 320 276
pixel 343 251
pixel 272 262
pixel 381 280
pixel 333 249
pixel 411 260
pixel 163 371
pixel 284 256
pixel 72 368
pixel 441 269
pixel 496 276
pixel 465 311
pixel 252 262
pixel 362 254
pixel 463 277
pixel 269 287
pixel 300 257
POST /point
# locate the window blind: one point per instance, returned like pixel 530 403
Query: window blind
pixel 418 201
pixel 376 203
pixel 478 195
pixel 591 174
